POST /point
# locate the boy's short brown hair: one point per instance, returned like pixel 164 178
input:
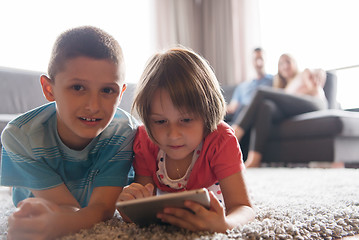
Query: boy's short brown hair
pixel 86 41
pixel 190 82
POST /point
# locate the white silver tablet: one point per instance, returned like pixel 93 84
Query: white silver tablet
pixel 143 211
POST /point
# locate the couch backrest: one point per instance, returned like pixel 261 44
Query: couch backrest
pixel 20 90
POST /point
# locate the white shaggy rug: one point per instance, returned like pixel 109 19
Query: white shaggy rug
pixel 291 203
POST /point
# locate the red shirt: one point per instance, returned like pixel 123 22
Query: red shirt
pixel 220 157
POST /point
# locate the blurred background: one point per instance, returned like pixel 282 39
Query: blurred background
pixel 318 33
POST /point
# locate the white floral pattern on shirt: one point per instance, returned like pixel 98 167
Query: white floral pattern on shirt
pixel 181 183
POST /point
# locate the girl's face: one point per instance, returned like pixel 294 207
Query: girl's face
pixel 286 67
pixel 177 133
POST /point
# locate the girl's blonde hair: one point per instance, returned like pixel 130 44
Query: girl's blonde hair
pixel 190 82
pixel 279 81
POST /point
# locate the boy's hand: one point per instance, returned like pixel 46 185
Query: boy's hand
pixel 136 190
pixel 200 219
pixel 38 218
pixel 31 220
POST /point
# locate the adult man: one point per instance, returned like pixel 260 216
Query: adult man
pixel 244 92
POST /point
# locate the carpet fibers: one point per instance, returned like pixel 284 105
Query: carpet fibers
pixel 291 203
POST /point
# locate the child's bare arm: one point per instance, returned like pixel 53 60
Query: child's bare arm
pixel 238 206
pixel 59 195
pixel 40 218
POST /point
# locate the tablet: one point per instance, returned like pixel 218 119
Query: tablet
pixel 143 211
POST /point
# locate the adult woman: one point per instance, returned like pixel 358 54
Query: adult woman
pixel 294 93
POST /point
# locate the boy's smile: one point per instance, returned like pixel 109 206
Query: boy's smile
pixel 90 121
pixel 87 92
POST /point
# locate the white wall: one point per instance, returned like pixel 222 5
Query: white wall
pixel 29 28
pixel 318 33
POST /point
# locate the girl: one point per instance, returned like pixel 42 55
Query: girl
pixel 185 145
pixel 294 93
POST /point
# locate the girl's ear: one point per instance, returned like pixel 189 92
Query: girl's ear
pixel 46 84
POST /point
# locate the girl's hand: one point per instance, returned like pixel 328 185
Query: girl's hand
pixel 136 190
pixel 200 219
pixel 143 187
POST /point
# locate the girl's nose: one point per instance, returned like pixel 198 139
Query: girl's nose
pixel 173 131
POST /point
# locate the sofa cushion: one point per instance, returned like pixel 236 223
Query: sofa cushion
pixel 331 122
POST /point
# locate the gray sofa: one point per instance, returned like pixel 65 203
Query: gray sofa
pixel 322 136
pixel 330 135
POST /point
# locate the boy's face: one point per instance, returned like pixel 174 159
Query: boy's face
pixel 87 93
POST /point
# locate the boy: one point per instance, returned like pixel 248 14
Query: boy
pixel 68 160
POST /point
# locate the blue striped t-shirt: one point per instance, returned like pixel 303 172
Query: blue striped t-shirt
pixel 34 157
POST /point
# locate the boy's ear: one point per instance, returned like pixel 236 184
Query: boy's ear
pixel 46 84
pixel 124 86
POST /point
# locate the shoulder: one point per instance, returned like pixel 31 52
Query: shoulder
pixel 34 117
pixel 142 133
pixel 268 76
pixel 242 87
pixel 222 151
pixel 143 143
pixel 31 130
pixel 145 151
pixel 122 124
pixel 245 84
pixel 124 118
pixel 31 122
pixel 223 128
pixel 267 79
pixel 222 136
